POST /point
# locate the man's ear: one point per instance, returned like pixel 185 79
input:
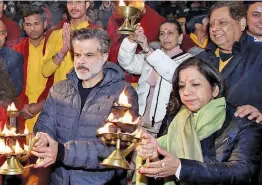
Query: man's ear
pixel 87 4
pixel 105 57
pixel 243 23
pixel 215 91
pixel 5 6
pixel 45 24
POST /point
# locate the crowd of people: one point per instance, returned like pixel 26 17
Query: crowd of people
pixel 192 73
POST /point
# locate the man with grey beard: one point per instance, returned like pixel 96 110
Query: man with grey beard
pixel 76 108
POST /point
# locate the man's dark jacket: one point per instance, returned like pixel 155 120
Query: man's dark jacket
pixel 242 76
pixel 63 120
pixel 13 62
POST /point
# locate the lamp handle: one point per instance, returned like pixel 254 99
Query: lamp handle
pixel 129 149
pixel 29 166
pixel 31 145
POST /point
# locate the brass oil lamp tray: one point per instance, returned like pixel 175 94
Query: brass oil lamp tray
pixel 120 130
pixel 111 138
pixel 12 164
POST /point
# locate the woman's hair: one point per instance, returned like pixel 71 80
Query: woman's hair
pixel 206 69
pixel 175 22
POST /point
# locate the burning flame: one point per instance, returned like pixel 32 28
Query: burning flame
pixel 123 99
pixel 12 131
pixel 110 117
pixel 127 118
pixel 121 3
pixel 105 128
pixel 17 148
pixel 9 132
pixel 26 147
pixel 11 107
pixel 4 148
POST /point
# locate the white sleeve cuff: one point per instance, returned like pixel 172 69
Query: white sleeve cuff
pixel 178 171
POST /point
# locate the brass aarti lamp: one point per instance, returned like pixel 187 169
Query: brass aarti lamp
pixel 130 15
pixel 124 133
pixel 10 147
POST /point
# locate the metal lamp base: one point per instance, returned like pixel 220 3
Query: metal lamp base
pixel 116 160
pixel 11 167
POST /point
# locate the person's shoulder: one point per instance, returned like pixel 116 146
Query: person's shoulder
pixel 60 88
pixel 9 22
pixel 113 66
pixel 21 44
pixel 57 33
pixel 11 52
pixel 237 122
pixel 254 47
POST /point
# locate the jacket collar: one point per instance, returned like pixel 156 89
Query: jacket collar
pixel 238 49
pixel 112 74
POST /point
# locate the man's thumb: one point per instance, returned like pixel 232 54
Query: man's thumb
pixel 49 139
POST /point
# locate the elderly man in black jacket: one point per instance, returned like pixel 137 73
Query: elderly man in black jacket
pixel 12 61
pixel 239 62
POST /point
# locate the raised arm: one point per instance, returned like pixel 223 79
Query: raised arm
pixel 54 56
pixel 128 59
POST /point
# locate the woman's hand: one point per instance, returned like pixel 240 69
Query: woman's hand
pixel 164 168
pixel 131 38
pixel 141 39
pixel 147 148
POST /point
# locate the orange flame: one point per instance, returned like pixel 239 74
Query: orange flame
pixel 11 107
pixel 105 128
pixel 123 99
pixel 9 132
pixel 111 117
pixel 127 118
pixel 12 131
pixel 26 147
pixel 4 148
pixel 122 3
pixel 17 148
